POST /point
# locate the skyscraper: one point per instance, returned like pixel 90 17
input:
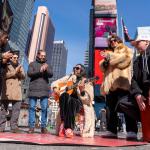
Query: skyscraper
pixel 22 13
pixel 59 60
pixel 43 34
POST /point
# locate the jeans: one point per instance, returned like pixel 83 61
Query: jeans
pixel 32 106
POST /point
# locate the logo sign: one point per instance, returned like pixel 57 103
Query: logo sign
pixel 105 6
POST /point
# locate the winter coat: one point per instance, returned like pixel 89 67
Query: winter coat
pixel 140 82
pixel 39 81
pixel 117 75
pixel 11 89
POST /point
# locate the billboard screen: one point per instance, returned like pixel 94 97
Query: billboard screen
pixel 105 6
pixel 103 28
pixel 97 71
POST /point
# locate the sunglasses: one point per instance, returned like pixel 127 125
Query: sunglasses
pixel 77 68
pixel 15 57
pixel 113 41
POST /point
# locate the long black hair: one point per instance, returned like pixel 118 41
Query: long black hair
pixel 83 70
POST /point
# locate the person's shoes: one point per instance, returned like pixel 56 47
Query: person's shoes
pixel 61 133
pixel 31 130
pixel 131 136
pixel 110 135
pixel 16 130
pixel 44 131
pixel 61 130
pixel 69 133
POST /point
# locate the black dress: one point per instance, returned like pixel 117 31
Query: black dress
pixel 70 105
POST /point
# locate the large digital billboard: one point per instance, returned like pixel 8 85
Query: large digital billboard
pixel 103 28
pixel 97 70
pixel 105 6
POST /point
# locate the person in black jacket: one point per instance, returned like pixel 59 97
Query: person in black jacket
pixel 4 56
pixel 39 72
pixel 140 83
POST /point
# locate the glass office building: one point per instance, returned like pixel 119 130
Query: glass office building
pixel 59 60
pixel 22 10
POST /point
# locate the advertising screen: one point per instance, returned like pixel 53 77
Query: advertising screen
pixel 103 28
pixel 97 70
pixel 105 6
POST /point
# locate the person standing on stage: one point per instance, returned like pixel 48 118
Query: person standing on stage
pixel 4 56
pixel 39 73
pixel 117 66
pixel 140 83
pixel 13 74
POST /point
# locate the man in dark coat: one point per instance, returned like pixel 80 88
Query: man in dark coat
pixel 4 56
pixel 39 72
pixel 140 83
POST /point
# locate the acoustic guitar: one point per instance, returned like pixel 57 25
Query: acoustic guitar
pixel 68 87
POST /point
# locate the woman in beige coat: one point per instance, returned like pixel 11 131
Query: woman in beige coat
pixel 117 67
pixel 11 92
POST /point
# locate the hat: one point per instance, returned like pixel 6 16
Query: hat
pixel 143 34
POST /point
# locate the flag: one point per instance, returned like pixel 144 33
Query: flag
pixel 125 32
pixel 6 16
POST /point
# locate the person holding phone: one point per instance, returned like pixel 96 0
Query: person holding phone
pixel 4 56
pixel 13 74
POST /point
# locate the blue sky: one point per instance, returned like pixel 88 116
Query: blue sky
pixel 71 21
pixel 135 13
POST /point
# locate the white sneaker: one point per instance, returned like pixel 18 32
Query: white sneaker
pixel 131 136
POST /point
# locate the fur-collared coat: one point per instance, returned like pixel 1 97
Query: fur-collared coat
pixel 117 75
pixel 11 89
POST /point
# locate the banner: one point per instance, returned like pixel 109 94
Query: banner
pixel 6 16
pixel 143 33
pixel 105 7
pixel 103 28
